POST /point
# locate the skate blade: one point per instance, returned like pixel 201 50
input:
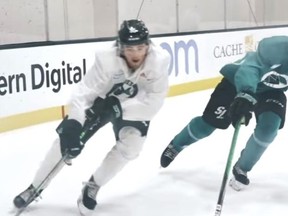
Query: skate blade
pixel 236 185
pixel 83 210
pixel 18 211
pixel 13 210
pixel 68 161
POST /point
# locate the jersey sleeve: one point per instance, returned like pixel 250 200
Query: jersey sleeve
pixel 271 53
pixel 248 74
pixel 92 86
pixel 273 50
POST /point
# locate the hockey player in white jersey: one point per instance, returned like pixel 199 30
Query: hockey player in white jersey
pixel 126 86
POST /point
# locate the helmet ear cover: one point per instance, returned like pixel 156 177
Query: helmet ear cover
pixel 133 32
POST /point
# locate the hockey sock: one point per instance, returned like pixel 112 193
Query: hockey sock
pixel 264 134
pixel 251 154
pixel 191 133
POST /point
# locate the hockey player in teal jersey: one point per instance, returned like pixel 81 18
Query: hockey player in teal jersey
pixel 254 84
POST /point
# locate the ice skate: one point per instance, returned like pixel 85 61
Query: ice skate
pixel 240 179
pixel 87 201
pixel 26 197
pixel 168 155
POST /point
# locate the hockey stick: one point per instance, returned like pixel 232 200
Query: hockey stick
pixel 38 189
pixel 227 169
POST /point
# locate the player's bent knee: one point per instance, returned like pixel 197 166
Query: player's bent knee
pixel 130 142
pixel 199 128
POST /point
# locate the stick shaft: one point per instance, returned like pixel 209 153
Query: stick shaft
pixel 37 190
pixel 227 170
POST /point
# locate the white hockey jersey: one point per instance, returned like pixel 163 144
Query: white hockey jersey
pixel 109 69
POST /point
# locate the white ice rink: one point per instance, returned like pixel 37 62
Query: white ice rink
pixel 188 187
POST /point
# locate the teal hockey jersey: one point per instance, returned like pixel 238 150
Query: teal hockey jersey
pixel 262 70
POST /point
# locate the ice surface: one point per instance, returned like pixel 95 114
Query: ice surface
pixel 189 186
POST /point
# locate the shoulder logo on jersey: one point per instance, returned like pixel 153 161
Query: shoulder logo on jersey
pixel 275 80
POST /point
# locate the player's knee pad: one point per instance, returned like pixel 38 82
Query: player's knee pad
pixel 267 128
pixel 130 142
pixel 199 128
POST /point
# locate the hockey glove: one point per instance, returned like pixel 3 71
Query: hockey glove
pixel 95 110
pixel 242 106
pixel 69 132
pixel 113 108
